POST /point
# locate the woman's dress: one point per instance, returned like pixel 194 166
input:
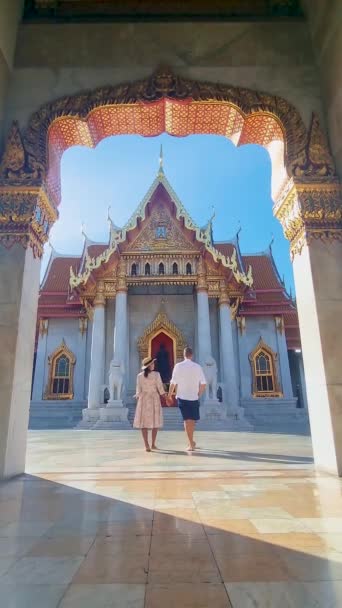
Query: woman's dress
pixel 148 413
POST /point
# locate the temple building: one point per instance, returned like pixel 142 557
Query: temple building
pixel 156 285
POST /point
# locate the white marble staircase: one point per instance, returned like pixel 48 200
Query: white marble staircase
pixel 173 421
pixel 276 415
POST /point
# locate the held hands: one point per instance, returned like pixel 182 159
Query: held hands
pixel 168 400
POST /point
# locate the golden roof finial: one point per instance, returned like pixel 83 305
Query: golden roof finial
pixel 161 162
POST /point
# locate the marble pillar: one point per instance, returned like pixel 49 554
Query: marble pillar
pixel 319 302
pixel 79 377
pixel 203 326
pixel 97 360
pixel 230 381
pixel 120 328
pixel 302 380
pixel 284 366
pixel 40 367
pixel 115 415
pixel 19 286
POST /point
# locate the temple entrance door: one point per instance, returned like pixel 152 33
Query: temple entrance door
pixel 163 350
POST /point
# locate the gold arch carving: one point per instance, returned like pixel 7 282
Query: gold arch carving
pixel 86 118
pixel 162 323
pixel 165 101
pixel 273 356
pixel 62 349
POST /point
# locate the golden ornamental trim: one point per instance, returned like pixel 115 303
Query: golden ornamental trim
pixel 161 323
pixel 241 324
pixel 310 211
pixel 162 84
pixel 62 349
pixel 234 307
pixel 43 327
pixel 276 392
pixel 120 236
pixel 280 325
pixel 26 217
pixel 83 325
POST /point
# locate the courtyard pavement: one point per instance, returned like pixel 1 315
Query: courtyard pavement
pixel 243 522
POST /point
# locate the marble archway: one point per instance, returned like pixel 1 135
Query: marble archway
pixel 307 201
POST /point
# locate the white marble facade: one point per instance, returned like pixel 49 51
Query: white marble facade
pixel 231 351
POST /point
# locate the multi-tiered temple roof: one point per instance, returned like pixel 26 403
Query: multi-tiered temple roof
pixel 253 279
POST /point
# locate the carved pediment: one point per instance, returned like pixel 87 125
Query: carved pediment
pixel 162 232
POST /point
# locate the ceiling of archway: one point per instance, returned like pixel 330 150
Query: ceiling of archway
pixel 79 10
pixel 178 118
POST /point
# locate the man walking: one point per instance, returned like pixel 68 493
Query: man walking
pixel 188 382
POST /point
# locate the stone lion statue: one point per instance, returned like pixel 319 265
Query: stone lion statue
pixel 116 379
pixel 210 372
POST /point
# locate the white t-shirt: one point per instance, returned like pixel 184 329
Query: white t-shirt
pixel 188 375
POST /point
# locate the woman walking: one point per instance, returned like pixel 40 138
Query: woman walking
pixel 148 413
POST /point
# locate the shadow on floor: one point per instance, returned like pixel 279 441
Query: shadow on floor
pixel 73 547
pixel 247 456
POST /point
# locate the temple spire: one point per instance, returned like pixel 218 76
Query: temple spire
pixel 161 162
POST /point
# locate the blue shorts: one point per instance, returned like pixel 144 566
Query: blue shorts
pixel 189 409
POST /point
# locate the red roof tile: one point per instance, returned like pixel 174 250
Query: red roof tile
pixel 59 274
pixel 225 248
pixel 95 250
pixel 264 272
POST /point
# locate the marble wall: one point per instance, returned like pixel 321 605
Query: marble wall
pixel 10 13
pixel 59 329
pixel 181 310
pixel 264 328
pixel 325 25
pixel 62 59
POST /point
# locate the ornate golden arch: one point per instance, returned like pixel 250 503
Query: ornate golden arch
pixel 260 348
pixel 162 323
pixel 30 159
pixel 308 203
pixel 62 349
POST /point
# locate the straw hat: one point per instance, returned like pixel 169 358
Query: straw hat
pixel 147 362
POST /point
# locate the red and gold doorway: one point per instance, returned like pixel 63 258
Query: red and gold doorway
pixel 163 349
pixel 164 341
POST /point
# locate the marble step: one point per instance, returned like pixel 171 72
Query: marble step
pixel 55 415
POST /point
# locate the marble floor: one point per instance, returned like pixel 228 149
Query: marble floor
pixel 96 522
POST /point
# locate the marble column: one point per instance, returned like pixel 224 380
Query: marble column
pixel 310 213
pixel 120 328
pixel 302 380
pixel 27 215
pixel 97 359
pixel 39 379
pixel 203 320
pixel 319 301
pixel 231 388
pixel 284 366
pixel 19 287
pixel 115 415
pixel 203 315
pixel 79 378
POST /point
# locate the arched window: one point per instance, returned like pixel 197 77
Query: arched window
pixel 61 363
pixel 134 270
pixel 161 268
pixel 174 268
pixel 188 268
pixel 263 362
pixel 147 269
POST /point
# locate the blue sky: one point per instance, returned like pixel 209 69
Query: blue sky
pixel 204 170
